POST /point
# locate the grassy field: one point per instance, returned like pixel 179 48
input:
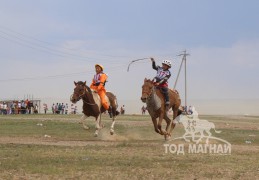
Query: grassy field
pixel 57 147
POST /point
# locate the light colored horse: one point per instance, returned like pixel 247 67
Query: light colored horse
pixel 156 106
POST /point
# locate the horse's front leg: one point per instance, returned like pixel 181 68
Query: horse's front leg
pixel 100 122
pixel 83 122
pixel 155 124
pixel 97 125
pixel 168 121
pixel 161 117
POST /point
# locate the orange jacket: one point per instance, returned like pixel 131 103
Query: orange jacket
pixel 99 81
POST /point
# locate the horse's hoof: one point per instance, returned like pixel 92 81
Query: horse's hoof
pixel 167 137
pixel 111 131
pixel 86 128
pixel 95 134
pixel 163 132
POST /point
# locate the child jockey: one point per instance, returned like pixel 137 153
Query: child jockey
pixel 98 85
pixel 162 76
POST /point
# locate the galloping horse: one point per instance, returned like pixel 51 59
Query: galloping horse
pixel 154 99
pixel 92 105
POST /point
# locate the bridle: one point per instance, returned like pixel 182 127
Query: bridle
pixel 81 95
pixel 147 93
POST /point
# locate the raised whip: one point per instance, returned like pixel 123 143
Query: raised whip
pixel 135 61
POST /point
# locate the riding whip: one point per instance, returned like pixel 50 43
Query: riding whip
pixel 136 61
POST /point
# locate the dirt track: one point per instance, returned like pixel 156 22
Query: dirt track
pixel 42 141
pixel 76 143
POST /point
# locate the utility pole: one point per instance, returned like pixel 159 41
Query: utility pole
pixel 184 54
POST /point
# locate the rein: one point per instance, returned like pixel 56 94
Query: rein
pixel 149 95
pixel 85 101
pixel 80 96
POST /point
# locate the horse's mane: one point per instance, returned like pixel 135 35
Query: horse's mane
pixel 80 83
pixel 89 90
pixel 87 87
pixel 148 80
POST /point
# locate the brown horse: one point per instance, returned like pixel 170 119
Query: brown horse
pixel 154 99
pixel 92 105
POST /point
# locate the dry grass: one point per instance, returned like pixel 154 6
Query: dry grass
pixel 134 152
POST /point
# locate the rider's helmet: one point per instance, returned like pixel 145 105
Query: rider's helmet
pixel 167 62
pixel 99 66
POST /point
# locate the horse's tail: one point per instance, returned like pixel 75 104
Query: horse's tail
pixel 113 101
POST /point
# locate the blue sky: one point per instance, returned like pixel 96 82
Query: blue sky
pixel 45 38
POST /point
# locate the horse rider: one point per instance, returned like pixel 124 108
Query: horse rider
pixel 162 76
pixel 98 85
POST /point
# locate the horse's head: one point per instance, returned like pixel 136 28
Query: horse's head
pixel 147 89
pixel 79 91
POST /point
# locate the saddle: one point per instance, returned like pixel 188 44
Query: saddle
pixel 111 98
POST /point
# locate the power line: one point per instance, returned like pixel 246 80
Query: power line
pixel 33 45
pixel 111 69
pixel 27 39
pixel 48 43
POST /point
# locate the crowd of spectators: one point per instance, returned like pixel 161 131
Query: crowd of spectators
pixel 18 107
pixel 30 107
pixel 61 108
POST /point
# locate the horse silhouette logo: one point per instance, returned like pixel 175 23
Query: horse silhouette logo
pixel 196 131
pixel 196 128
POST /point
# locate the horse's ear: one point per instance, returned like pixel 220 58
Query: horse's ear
pixel 145 79
pixel 75 83
pixel 84 83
